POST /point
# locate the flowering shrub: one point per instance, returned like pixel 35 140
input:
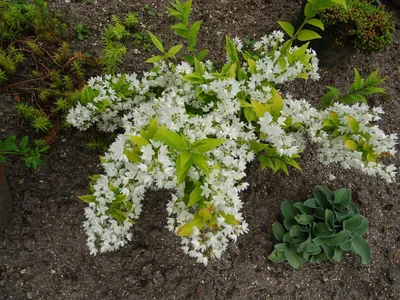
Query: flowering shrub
pixel 192 128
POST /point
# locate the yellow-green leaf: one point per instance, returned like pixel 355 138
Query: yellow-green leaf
pixel 132 157
pixel 351 145
pixel 259 108
pixel 187 229
pixel 87 198
pixel 353 124
pixel 307 35
pixel 195 196
pixel 287 27
pixel 316 23
pixel 138 140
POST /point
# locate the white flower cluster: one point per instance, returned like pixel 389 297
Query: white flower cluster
pixel 165 94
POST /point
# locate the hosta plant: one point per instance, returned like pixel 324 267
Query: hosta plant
pixel 321 228
pixel 191 128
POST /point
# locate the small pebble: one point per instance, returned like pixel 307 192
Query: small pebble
pixel 23 271
pixel 53 271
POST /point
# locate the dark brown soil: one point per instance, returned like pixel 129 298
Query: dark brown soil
pixel 43 252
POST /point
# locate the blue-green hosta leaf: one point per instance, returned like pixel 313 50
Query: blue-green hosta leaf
pixel 293 258
pixel 329 219
pixel 289 223
pixel 281 246
pixel 278 231
pixel 361 247
pixel 323 196
pixel 337 256
pixel 353 223
pixel 277 256
pixel 311 203
pixel 329 251
pixel 288 210
pixel 360 231
pixel 322 230
pixel 346 246
pixel 304 219
pixel 342 196
pixel 302 208
pixel 339 238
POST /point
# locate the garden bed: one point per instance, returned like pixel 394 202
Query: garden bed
pixel 43 253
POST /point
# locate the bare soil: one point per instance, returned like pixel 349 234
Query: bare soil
pixel 43 252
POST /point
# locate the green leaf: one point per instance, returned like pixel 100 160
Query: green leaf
pixel 342 196
pixel 329 251
pixel 194 29
pixel 174 50
pixel 155 59
pixel 181 30
pixel 152 128
pixel 277 256
pixel 200 160
pixel 346 246
pixel 293 259
pixel 287 27
pixel 303 209
pixel 339 238
pixel 187 229
pixel 289 223
pixel 337 256
pixel 88 198
pixel 259 108
pixel 311 203
pixel 309 10
pixel 323 196
pixel 132 157
pixel 195 196
pixel 281 246
pixel 231 50
pixel 304 219
pixel 207 144
pixel 202 54
pixel 329 219
pixel 340 2
pixel 277 104
pixel 353 98
pixel 351 145
pixel 288 210
pixel 316 23
pixel 353 223
pixel 183 164
pixel 194 78
pixel 353 124
pixel 307 35
pixel 24 142
pixel 139 140
pixel 361 247
pixel 322 230
pixel 2 159
pixel 360 231
pixel 278 231
pixel 170 138
pixel 156 42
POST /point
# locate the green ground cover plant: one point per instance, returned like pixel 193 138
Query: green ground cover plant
pixel 366 26
pixel 321 228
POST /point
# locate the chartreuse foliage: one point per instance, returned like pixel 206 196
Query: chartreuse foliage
pixel 321 228
pixel 186 30
pixel 191 127
pixel 312 8
pixel 31 155
pixel 366 26
pixel 360 88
